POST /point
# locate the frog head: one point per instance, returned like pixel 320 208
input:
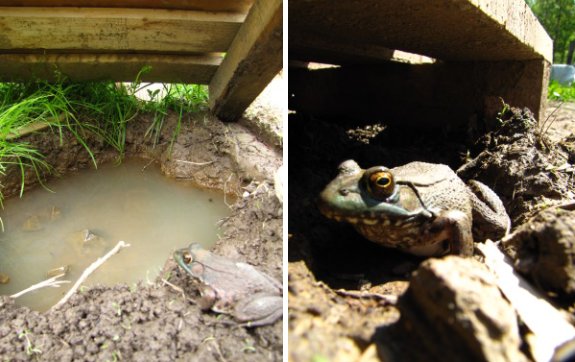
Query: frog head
pixel 368 196
pixel 191 259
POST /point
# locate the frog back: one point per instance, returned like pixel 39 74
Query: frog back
pixel 437 184
pixel 422 173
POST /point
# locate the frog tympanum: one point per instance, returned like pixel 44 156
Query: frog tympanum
pixel 421 208
pixel 235 288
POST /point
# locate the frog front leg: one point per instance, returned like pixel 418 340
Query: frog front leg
pixel 208 298
pixel 259 309
pixel 452 227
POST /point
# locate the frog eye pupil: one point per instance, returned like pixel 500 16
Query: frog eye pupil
pixel 379 183
pixel 187 258
pixel 383 181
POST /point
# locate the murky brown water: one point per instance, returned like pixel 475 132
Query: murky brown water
pixel 156 215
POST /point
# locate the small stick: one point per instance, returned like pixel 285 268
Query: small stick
pixel 174 287
pixel 52 282
pixel 196 163
pixel 387 298
pixel 89 270
pixel 148 164
pixel 570 205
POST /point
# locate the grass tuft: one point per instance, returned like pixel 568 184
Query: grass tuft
pixel 558 92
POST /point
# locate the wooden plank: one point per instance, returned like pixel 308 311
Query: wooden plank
pixel 203 5
pixel 120 30
pixel 455 30
pixel 315 49
pixel 117 67
pixel 252 61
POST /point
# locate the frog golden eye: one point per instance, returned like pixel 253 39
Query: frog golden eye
pixel 380 184
pixel 382 179
pixel 187 258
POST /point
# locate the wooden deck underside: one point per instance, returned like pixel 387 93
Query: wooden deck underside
pixel 180 41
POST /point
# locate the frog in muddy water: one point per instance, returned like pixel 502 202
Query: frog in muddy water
pixel 226 286
pixel 421 208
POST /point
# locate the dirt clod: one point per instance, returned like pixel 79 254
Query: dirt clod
pixel 521 165
pixel 454 311
pixel 543 249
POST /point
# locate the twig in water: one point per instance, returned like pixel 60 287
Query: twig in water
pixel 147 164
pixel 89 270
pixel 52 282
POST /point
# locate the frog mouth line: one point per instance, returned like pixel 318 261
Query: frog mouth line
pixel 369 219
pixel 353 219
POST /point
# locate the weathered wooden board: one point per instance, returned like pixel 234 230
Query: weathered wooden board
pixel 117 67
pixel 253 59
pixel 117 30
pixel 496 47
pixel 203 5
pixel 457 30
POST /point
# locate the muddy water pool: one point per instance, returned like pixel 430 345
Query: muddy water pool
pixel 87 213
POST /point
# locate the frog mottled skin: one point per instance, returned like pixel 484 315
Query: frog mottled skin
pixel 421 208
pixel 226 286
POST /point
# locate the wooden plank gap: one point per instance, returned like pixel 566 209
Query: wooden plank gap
pixel 116 67
pixel 253 59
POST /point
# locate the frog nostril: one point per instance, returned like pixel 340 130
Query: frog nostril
pixel 344 192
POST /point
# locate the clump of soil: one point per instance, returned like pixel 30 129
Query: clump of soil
pixel 544 251
pixel 516 160
pixel 519 162
pixel 454 310
pixel 156 321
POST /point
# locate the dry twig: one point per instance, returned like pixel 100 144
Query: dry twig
pixel 175 288
pixel 89 270
pixel 196 163
pixel 51 282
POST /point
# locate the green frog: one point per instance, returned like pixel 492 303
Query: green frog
pixel 230 287
pixel 421 208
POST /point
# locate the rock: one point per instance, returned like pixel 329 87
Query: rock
pixel 565 352
pixel 31 223
pixel 454 311
pixel 543 250
pixel 4 278
pixel 37 221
